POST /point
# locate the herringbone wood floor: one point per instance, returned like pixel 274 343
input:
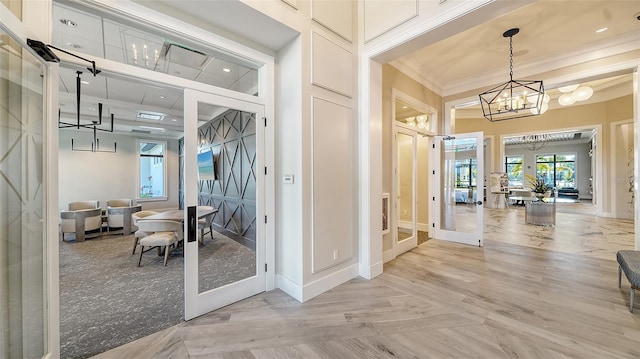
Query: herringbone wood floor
pixel 439 300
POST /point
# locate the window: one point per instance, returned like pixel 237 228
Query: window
pixel 513 166
pixel 152 169
pixel 466 173
pixel 558 170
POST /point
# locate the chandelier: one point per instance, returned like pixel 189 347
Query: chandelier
pixel 514 98
pixel 534 142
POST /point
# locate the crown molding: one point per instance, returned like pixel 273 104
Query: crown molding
pixel 409 71
pixel 596 51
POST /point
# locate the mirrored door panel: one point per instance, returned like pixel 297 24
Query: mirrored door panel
pixel 405 174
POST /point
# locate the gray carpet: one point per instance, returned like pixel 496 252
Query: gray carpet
pixel 107 301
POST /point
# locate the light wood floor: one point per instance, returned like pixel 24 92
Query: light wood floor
pixel 440 300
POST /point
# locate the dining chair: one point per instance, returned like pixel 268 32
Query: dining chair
pixel 204 223
pixel 139 234
pixel 164 235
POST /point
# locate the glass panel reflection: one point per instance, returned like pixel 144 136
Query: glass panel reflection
pixel 459 185
pixel 405 178
pixel 227 189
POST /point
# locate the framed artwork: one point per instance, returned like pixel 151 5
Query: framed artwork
pixel 385 213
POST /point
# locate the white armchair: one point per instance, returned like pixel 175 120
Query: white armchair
pixel 119 213
pixel 84 219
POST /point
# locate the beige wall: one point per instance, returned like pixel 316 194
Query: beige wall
pixel 584 116
pixel 394 79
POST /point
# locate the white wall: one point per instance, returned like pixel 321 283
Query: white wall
pixel 103 176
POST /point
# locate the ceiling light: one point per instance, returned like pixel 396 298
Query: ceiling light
pixel 174 120
pixel 602 29
pixel 74 45
pixel 226 69
pixel 410 121
pixel 84 82
pixel 150 116
pixel 569 88
pixel 566 99
pixel 68 22
pixel 153 128
pixel 582 93
pixel 512 99
pixel 163 97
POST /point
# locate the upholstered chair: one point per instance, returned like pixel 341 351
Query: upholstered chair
pixel 204 223
pixel 165 235
pixel 83 218
pixel 139 234
pixel 119 213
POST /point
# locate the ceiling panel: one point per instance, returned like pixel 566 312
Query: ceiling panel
pixel 126 90
pixel 160 97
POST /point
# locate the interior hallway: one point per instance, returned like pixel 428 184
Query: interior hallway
pixel 508 299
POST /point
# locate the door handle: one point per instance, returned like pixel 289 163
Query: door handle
pixel 192 223
pixel 479 203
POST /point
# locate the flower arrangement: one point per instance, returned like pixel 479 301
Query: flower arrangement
pixel 537 184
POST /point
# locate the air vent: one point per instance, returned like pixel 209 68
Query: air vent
pixel 140 131
pixel 177 54
pixel 150 116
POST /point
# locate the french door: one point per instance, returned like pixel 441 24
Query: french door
pixel 233 182
pixel 405 233
pixel 458 188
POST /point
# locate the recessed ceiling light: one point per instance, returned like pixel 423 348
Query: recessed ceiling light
pixel 75 46
pixel 68 22
pixel 163 97
pixel 150 116
pixel 602 29
pixel 84 82
pixel 226 69
pixel 405 106
pixel 152 128
pixel 174 120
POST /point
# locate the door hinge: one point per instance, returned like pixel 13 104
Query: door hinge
pixel 265 219
pixel 433 145
pixel 265 267
pixel 265 170
pixel 434 199
pixel 434 171
pixel 433 225
pixel 265 121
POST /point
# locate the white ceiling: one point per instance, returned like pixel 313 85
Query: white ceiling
pixel 550 30
pixel 478 57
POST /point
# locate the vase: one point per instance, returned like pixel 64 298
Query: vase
pixel 539 195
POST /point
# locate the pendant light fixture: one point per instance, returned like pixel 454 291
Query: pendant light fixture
pixel 514 98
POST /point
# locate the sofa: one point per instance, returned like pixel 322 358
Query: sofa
pixel 568 192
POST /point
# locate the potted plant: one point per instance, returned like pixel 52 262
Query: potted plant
pixel 538 186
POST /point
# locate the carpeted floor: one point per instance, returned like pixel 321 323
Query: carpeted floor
pixel 107 301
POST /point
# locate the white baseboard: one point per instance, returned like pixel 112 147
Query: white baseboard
pixel 423 227
pixel 388 256
pixel 289 287
pixel 372 271
pixel 404 225
pixel 317 287
pixel 420 226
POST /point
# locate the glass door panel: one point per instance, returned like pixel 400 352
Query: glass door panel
pixel 459 199
pixel 406 236
pixel 23 249
pixel 223 157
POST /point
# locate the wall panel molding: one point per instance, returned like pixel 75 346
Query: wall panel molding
pixel 382 16
pixel 331 65
pixel 336 16
pixel 333 206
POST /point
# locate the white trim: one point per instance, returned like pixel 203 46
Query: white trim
pixel 388 255
pixel 423 227
pixel 317 287
pixel 614 167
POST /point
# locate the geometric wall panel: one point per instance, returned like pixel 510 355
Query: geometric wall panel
pixel 231 137
pixel 331 66
pixel 333 188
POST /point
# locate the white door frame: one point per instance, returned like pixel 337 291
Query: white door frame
pixel 411 242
